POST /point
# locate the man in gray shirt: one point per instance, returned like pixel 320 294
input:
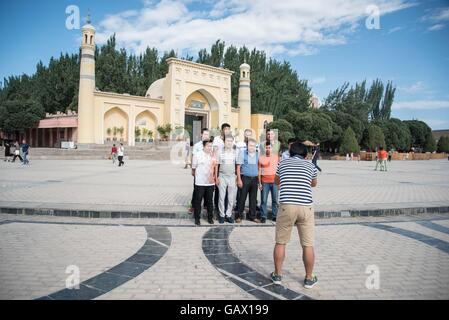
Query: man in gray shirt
pixel 226 179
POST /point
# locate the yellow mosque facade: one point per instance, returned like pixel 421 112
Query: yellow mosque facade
pixel 190 95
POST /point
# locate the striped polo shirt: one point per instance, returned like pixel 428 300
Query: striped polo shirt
pixel 296 175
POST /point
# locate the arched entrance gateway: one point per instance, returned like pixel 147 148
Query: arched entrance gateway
pixel 115 125
pixel 201 111
pixel 146 126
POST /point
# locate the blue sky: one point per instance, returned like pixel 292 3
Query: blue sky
pixel 326 41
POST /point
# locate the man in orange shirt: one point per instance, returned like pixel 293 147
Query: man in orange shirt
pixel 267 171
pixel 382 156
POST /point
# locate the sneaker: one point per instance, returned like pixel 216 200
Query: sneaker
pixel 221 220
pixel 273 219
pixel 276 278
pixel 211 221
pixel 254 220
pixel 229 220
pixel 310 283
pixel 263 220
pixel 238 220
pixel 197 222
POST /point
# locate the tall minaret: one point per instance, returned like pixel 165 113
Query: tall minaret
pixel 87 85
pixel 244 99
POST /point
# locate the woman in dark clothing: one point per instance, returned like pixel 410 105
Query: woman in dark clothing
pixel 316 155
pixel 7 150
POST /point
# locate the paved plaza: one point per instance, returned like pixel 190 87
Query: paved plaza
pixel 163 187
pixel 392 257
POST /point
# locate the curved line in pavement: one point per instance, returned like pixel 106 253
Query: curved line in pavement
pixel 219 253
pixel 431 241
pixel 157 243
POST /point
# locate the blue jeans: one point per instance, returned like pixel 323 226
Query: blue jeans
pixel 25 158
pixel 266 188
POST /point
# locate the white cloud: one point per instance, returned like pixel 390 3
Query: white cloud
pixel 422 105
pixel 282 27
pixel 414 88
pixel 436 27
pixel 395 29
pixel 435 123
pixel 318 80
pixel 437 17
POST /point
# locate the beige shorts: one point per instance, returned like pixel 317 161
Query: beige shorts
pixel 303 217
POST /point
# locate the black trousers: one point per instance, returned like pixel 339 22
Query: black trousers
pixel 250 186
pixel 15 156
pixel 206 192
pixel 120 161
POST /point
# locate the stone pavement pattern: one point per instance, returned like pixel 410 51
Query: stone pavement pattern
pixel 35 256
pixel 35 252
pixel 163 187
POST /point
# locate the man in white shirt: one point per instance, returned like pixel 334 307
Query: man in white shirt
pixel 219 143
pixel 121 154
pixel 197 148
pixel 203 169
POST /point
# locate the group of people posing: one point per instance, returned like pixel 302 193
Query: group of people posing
pixel 226 173
pixel 234 171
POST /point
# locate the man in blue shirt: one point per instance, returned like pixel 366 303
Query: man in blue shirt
pixel 247 181
pixel 25 150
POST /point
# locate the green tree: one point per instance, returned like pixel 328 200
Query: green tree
pixel 285 130
pixel 443 144
pixel 19 115
pixel 349 142
pixel 397 134
pixel 313 125
pixel 373 138
pixel 419 131
pixel 430 144
pixel 346 120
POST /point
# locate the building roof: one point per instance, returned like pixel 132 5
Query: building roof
pixel 437 134
pixel 156 89
pixel 199 66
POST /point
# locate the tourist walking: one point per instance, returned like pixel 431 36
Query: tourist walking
pixel 316 156
pixel 114 153
pixel 7 146
pixel 381 159
pixel 25 152
pixel 121 154
pixel 17 152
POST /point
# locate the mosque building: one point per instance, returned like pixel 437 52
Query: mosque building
pixel 191 96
